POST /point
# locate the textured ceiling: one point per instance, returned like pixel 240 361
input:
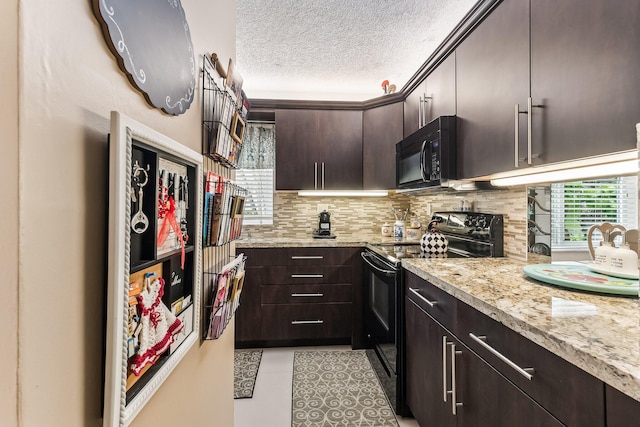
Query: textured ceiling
pixel 337 49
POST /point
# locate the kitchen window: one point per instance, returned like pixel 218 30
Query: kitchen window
pixel 256 172
pixel 576 206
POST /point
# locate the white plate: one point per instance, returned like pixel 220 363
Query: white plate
pixel 598 269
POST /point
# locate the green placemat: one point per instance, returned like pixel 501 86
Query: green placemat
pixel 582 278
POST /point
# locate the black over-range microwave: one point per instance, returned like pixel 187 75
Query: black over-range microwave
pixel 427 157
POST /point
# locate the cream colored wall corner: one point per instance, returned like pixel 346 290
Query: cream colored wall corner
pixel 69 83
pixel 9 237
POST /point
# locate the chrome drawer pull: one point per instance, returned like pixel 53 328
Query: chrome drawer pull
pixel 307 322
pixel 445 392
pixel 307 295
pixel 307 276
pixel 431 303
pixel 307 257
pixel 454 394
pixel 525 372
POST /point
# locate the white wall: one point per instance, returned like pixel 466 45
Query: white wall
pixel 69 82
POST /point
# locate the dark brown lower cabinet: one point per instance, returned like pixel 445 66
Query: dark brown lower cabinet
pixel 622 410
pixel 300 295
pixel 449 385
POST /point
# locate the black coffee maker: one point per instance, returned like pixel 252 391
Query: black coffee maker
pixel 324 226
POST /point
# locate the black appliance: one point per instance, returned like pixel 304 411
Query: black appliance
pixel 427 157
pixel 470 235
pixel 324 226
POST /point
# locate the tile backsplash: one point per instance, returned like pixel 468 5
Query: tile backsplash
pixel 296 216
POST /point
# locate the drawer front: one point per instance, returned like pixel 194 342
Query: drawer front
pixel 299 256
pixel 570 394
pixel 305 275
pixel 305 294
pixel 433 300
pixel 306 321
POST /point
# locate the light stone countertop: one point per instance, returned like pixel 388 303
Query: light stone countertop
pixel 599 334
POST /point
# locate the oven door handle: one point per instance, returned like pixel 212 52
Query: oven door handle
pixel 366 256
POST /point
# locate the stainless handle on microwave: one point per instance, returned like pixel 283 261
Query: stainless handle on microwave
pixel 423 156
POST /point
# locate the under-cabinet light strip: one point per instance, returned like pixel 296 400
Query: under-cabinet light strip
pixel 344 193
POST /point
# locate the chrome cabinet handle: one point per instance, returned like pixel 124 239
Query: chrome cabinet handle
pixel 416 293
pixel 529 129
pixel 525 372
pixel 322 175
pixel 315 175
pixel 307 322
pixel 517 159
pixel 454 404
pixel 308 295
pixel 307 257
pixel 307 276
pixel 445 392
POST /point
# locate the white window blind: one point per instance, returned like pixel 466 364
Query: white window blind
pixel 258 206
pixel 576 206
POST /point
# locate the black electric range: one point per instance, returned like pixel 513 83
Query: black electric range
pixel 470 235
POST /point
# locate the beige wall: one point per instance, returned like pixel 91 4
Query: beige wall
pixel 69 83
pixel 9 211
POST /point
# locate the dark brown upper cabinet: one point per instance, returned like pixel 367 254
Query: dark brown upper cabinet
pixel 411 118
pixel 318 149
pixel 440 90
pixel 492 76
pixel 585 62
pixel 382 129
pixel 570 67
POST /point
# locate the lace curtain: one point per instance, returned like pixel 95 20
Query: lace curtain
pixel 258 147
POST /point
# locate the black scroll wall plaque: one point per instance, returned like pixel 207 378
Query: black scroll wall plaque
pixel 152 43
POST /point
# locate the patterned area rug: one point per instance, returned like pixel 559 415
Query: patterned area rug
pixel 337 388
pixel 245 371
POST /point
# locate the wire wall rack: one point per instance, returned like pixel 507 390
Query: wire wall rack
pixel 222 293
pixel 223 118
pixel 223 210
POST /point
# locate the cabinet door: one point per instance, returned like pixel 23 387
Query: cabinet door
pixel 425 369
pixel 490 400
pixel 297 149
pixel 316 147
pixel 340 144
pixel 620 408
pixel 411 113
pixel 584 71
pixel 492 73
pixel 382 130
pixel 441 90
pixel 248 316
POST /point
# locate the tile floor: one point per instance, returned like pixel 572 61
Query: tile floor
pixel 270 405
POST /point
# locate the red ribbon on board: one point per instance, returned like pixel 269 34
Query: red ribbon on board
pixel 170 222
